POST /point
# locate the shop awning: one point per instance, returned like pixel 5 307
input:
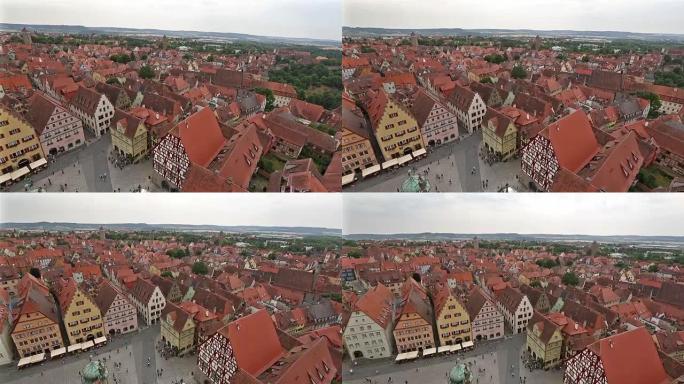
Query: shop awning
pixel 446 348
pixel 411 355
pixel 87 344
pixel 429 351
pixel 101 340
pixel 455 348
pixel 74 347
pixel 57 352
pixel 405 159
pixel 370 170
pixel 24 361
pixel 20 172
pixel 467 344
pixel 419 152
pixel 37 358
pixel 5 178
pixel 346 179
pixel 390 163
pixel 38 163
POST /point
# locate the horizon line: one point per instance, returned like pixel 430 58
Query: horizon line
pixel 519 29
pixel 172 30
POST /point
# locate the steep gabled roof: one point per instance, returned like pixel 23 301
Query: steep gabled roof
pixel 201 136
pixel 254 357
pixel 630 358
pixel 573 140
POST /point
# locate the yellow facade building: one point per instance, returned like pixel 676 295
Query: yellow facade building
pixel 499 134
pixel 177 329
pixel 129 135
pixel 395 129
pixel 452 318
pixel 19 144
pixel 544 340
pixel 81 316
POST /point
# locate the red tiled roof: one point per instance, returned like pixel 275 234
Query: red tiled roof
pixel 201 136
pixel 573 141
pixel 630 358
pixel 254 357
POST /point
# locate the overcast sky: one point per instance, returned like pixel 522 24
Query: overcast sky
pixel 663 16
pixel 547 213
pixel 265 209
pixel 319 19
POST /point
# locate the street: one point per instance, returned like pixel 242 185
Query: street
pixel 454 162
pixel 130 351
pixel 492 362
pixel 82 170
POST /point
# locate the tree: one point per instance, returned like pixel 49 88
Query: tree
pixel 620 264
pixel 518 72
pixel 177 253
pixel 354 254
pixel 166 274
pixel 569 278
pixel 270 99
pixel 486 80
pixel 535 284
pixel 198 267
pixel 113 81
pixel 653 268
pixel 146 72
pixel 35 272
pixel 655 103
pixel 210 58
pixel 585 59
pixel 495 59
pixel 187 56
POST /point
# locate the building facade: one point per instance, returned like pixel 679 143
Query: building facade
pixel 81 316
pixel 413 330
pixel 19 144
pixel 468 107
pixel 129 136
pixel 452 319
pixel 516 308
pixel 94 109
pixel 368 333
pixel 57 128
pixel 437 124
pixel 487 321
pixel 499 134
pixel 119 314
pixel 35 326
pixel 395 129
pixel 148 300
pixel 544 341
pixel 177 329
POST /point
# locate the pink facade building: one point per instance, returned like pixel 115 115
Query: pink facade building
pixel 118 313
pixel 437 124
pixel 57 128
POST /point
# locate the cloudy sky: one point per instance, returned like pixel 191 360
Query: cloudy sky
pixel 551 213
pixel 320 19
pixel 287 209
pixel 664 16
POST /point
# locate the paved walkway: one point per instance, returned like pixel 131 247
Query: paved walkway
pixel 492 362
pixel 460 166
pixel 130 350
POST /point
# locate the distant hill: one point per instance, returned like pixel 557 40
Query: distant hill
pixel 560 33
pixel 50 226
pixel 676 241
pixel 220 36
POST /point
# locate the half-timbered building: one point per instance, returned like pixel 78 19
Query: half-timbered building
pixel 568 143
pixel 626 358
pixel 232 349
